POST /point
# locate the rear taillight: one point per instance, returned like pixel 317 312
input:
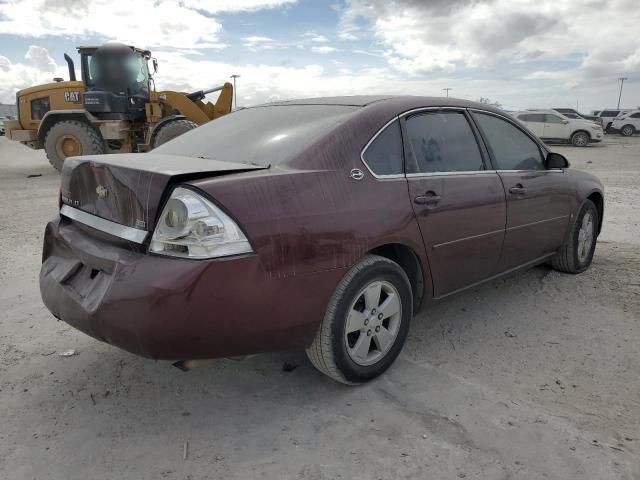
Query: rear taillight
pixel 192 226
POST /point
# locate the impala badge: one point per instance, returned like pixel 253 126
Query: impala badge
pixel 102 191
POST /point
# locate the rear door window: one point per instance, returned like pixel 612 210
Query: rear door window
pixel 384 155
pixel 512 149
pixel 549 118
pixel 442 142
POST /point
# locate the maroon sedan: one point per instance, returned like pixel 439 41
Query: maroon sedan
pixel 322 224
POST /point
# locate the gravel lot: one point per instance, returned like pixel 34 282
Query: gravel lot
pixel 534 376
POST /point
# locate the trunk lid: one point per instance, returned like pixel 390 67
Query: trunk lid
pixel 128 188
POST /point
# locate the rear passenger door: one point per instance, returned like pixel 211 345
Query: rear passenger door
pixel 459 204
pixel 537 198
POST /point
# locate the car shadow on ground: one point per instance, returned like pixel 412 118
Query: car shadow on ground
pixel 437 336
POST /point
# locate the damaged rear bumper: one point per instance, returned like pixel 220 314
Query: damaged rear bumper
pixel 171 308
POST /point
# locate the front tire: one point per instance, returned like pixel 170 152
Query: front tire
pixel 70 138
pixel 627 130
pixel 576 253
pixel 580 139
pixel 366 322
pixel 171 130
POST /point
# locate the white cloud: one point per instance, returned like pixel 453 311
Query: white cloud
pixel 632 62
pixel 323 50
pixel 319 39
pixel 41 59
pixel 16 76
pixel 145 23
pixel 5 64
pixel 260 83
pixel 234 6
pixel 446 35
pixel 257 42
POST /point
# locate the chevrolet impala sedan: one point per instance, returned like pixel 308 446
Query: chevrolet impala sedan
pixel 321 224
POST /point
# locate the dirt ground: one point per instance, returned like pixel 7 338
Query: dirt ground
pixel 534 376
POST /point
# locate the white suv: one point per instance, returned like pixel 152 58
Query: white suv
pixel 606 117
pixel 627 123
pixel 553 127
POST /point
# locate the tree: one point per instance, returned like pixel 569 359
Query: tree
pixel 488 101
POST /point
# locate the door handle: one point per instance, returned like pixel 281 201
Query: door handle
pixel 518 189
pixel 429 198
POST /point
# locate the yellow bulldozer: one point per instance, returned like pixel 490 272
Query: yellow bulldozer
pixel 114 108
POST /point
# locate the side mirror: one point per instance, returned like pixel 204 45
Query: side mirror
pixel 555 160
pixel 565 121
pixel 154 61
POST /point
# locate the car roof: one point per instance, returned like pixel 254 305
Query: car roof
pixel 396 103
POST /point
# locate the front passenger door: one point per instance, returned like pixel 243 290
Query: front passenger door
pixel 537 198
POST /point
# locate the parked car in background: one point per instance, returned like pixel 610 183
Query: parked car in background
pixel 2 119
pixel 627 123
pixel 571 113
pixel 553 127
pixel 326 228
pixel 606 117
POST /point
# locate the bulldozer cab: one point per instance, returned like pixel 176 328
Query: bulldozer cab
pixel 113 108
pixel 117 81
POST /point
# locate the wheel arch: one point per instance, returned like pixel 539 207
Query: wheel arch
pixel 410 262
pixel 598 199
pixel 54 116
pixel 581 130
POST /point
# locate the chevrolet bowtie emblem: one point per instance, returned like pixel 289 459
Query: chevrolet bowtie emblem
pixel 102 191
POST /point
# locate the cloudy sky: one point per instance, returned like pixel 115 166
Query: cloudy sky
pixel 521 53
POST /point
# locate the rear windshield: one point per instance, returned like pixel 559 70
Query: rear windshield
pixel 260 135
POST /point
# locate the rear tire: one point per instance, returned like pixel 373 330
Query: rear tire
pixel 70 138
pixel 627 130
pixel 366 322
pixel 576 253
pixel 580 139
pixel 171 130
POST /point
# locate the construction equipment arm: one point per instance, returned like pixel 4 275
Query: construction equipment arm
pixel 200 94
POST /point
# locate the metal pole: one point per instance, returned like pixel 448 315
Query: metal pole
pixel 235 94
pixel 622 79
pixel 447 90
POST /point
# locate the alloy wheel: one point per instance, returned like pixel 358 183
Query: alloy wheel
pixel 373 322
pixel 580 140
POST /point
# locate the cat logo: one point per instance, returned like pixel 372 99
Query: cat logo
pixel 72 97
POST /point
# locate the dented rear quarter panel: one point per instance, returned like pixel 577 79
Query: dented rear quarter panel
pixel 309 215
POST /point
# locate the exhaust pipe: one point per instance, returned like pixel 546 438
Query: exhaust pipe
pixel 72 68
